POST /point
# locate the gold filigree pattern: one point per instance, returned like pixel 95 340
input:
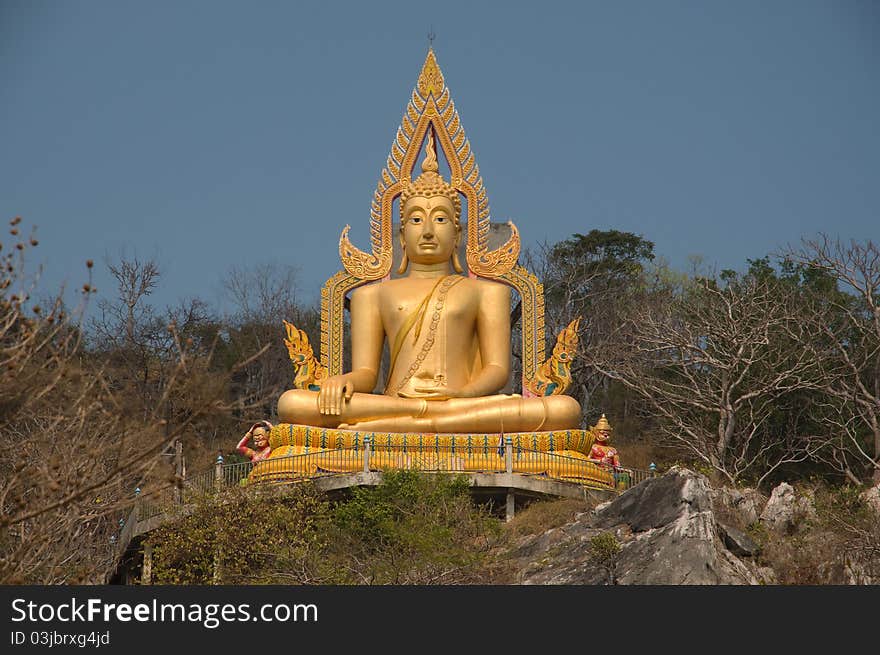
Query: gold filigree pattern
pixel 396 153
pixel 465 152
pixel 453 127
pixel 360 264
pixel 431 80
pixel 458 140
pixel 441 103
pixel 448 113
pixel 418 103
pixel 332 323
pixel 303 436
pixel 531 293
pixel 501 259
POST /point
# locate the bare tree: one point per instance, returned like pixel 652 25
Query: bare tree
pixel 261 289
pixel 69 454
pixel 128 330
pixel 264 295
pixel 845 335
pixel 713 363
pixel 79 431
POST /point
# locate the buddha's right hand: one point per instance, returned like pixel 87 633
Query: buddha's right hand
pixel 333 389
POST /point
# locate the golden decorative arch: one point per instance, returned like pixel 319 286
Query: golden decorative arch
pixel 431 105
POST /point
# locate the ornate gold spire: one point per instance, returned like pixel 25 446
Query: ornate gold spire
pixel 430 163
pixel 430 183
pixel 430 109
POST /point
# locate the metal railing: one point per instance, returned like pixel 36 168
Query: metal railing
pixel 155 502
pixel 200 484
pixel 505 458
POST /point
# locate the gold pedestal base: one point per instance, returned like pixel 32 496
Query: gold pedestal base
pixel 304 436
pixel 302 452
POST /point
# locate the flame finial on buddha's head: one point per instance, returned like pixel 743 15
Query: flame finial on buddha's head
pixel 430 183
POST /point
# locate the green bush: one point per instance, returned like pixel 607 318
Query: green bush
pixel 413 528
pixel 604 547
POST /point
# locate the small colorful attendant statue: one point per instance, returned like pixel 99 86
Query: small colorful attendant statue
pixel 260 433
pixel 602 452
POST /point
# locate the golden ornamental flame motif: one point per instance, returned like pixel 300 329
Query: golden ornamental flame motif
pixel 554 375
pixel 309 372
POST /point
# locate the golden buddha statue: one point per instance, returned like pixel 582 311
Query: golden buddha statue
pixel 447 331
pixel 449 339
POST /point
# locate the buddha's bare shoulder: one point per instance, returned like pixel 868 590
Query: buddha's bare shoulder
pixel 378 290
pixel 391 288
pixel 367 293
pixel 488 287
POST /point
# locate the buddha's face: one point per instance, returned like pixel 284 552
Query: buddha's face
pixel 429 234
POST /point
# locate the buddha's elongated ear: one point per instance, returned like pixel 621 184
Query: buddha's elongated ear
pixel 404 261
pixel 456 263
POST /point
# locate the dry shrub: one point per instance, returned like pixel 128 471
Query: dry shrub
pixel 637 455
pixel 543 515
pixel 840 546
pixel 77 436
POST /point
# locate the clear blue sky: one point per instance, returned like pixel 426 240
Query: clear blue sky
pixel 210 133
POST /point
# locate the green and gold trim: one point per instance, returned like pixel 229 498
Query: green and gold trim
pixel 304 436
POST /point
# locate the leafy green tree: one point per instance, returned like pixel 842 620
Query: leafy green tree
pixel 591 276
pixel 252 536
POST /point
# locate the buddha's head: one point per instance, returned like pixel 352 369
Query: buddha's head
pixel 430 217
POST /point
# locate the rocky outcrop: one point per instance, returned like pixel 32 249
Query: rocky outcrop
pixel 664 533
pixel 744 504
pixel 737 541
pixel 785 511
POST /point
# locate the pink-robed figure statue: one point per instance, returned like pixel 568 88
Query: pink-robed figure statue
pixel 602 452
pixel 260 433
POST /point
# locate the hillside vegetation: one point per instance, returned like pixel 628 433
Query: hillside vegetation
pixel 752 377
pixel 421 528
